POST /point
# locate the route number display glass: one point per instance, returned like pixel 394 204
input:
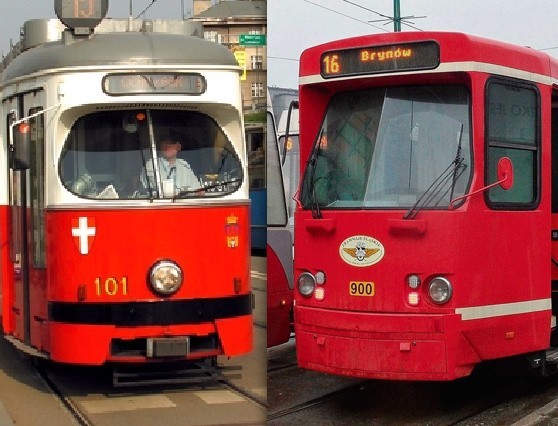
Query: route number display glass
pixel 380 59
pixel 81 13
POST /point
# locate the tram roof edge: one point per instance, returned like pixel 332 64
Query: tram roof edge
pixel 127 49
pixel 40 31
pixel 37 32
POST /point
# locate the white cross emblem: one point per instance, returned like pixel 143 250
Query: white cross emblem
pixel 85 235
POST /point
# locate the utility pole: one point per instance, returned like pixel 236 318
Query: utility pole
pixel 131 17
pixel 396 16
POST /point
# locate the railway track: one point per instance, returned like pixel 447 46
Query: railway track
pixel 246 393
pixel 73 409
pixel 280 367
pixel 279 416
pixel 98 386
pixel 490 396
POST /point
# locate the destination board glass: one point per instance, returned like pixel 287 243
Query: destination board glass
pixel 380 59
pixel 153 84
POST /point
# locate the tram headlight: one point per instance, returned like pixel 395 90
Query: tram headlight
pixel 165 277
pixel 306 284
pixel 440 290
pixel 413 281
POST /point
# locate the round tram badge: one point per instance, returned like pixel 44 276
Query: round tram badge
pixel 361 250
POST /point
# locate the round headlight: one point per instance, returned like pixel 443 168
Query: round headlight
pixel 165 277
pixel 306 284
pixel 320 278
pixel 440 290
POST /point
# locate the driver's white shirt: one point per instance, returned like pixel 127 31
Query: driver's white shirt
pixel 181 173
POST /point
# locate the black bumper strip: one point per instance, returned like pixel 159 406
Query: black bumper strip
pixel 165 312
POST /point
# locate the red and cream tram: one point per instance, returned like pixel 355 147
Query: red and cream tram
pixel 124 204
pixel 425 236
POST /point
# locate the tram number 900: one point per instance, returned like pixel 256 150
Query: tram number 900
pixel 359 288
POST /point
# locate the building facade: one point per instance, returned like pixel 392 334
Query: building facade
pixel 241 25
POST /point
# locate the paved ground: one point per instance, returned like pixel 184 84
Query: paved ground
pixel 21 388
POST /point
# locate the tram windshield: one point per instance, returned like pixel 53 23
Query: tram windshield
pixel 111 155
pixel 391 148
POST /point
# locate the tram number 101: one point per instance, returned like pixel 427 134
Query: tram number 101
pixel 111 286
pixel 359 288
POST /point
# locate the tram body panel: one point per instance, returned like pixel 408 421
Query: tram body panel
pixel 367 319
pixel 100 279
pixel 193 236
pixel 6 271
pixel 279 286
pixel 399 340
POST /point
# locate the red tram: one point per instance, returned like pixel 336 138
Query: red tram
pixel 426 234
pixel 105 257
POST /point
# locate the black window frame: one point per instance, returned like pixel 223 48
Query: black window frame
pixel 535 148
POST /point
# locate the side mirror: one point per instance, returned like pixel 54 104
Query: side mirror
pixel 505 173
pixel 504 170
pixel 21 148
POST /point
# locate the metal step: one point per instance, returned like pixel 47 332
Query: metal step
pixel 198 373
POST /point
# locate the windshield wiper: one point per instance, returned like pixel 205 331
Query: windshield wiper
pixel 312 161
pixel 457 156
pixel 206 187
pixel 452 172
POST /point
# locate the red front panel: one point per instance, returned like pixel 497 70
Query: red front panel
pixel 380 334
pixel 356 344
pixel 279 301
pixel 98 291
pixel 127 243
pixel 6 289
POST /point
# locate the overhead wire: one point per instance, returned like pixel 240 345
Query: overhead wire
pixel 369 10
pixel 350 17
pixel 390 18
pixel 283 59
pixel 346 16
pixel 147 8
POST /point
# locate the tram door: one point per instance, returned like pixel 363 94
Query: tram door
pixel 26 213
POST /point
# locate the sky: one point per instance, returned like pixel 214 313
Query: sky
pixel 294 25
pixel 13 13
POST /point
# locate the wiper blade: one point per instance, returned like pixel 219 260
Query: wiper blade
pixel 315 207
pixel 206 187
pixel 451 173
pixel 316 212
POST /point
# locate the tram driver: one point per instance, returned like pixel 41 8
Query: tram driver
pixel 175 173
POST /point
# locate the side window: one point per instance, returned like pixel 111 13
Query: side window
pixel 38 188
pixel 256 157
pixel 512 130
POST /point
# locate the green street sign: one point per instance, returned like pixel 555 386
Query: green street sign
pixel 252 39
